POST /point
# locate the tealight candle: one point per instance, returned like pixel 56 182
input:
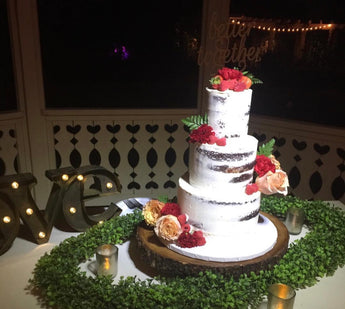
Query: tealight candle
pixel 280 296
pixel 294 220
pixel 106 260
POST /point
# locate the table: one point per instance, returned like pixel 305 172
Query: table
pixel 17 263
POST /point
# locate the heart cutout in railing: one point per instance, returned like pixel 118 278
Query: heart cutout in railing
pixel 93 129
pixel 133 129
pixel 171 128
pixel 151 128
pixel 73 129
pixel 321 149
pixel 113 129
pixel 299 145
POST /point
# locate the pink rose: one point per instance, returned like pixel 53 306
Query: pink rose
pixel 228 84
pixel 228 73
pixel 168 227
pixel 272 183
pixel 240 86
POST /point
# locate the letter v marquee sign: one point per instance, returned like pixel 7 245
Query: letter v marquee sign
pixel 66 202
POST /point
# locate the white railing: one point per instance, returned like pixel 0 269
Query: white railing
pixel 149 155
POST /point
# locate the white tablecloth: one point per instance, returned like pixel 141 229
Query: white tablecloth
pixel 17 264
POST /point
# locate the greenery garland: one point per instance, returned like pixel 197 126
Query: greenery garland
pixel 62 284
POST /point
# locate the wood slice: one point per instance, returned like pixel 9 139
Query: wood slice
pixel 170 263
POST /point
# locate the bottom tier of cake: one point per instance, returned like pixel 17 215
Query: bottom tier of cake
pixel 170 262
pixel 245 245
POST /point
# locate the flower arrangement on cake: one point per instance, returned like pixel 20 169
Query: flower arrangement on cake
pixel 270 178
pixel 170 225
pixel 226 79
pixel 233 79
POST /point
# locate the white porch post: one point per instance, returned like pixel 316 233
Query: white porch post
pixel 24 24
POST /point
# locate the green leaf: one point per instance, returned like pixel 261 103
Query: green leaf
pixel 254 79
pixel 266 149
pixel 195 121
pixel 163 198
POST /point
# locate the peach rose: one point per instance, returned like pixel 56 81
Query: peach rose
pixel 152 211
pixel 275 162
pixel 272 183
pixel 168 228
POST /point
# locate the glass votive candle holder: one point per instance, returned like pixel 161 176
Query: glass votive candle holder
pixel 280 296
pixel 106 260
pixel 294 220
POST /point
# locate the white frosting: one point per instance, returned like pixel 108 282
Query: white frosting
pixel 218 213
pixel 243 245
pixel 223 168
pixel 228 112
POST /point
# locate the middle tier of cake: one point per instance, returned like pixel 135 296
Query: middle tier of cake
pixel 223 168
pixel 218 213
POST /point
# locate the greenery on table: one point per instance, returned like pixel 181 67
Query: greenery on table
pixel 63 285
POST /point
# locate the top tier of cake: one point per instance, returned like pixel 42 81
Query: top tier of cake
pixel 228 112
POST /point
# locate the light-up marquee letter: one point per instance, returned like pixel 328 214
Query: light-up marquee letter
pixel 16 203
pixel 71 188
pixel 69 193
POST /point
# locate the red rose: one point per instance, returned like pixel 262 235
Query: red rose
pixel 263 165
pixel 212 140
pixel 171 209
pixel 201 134
pixel 228 73
pixel 251 188
pixel 227 84
pixel 240 86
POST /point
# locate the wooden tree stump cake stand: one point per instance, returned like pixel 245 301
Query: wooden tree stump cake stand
pixel 169 262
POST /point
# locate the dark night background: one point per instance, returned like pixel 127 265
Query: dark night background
pixel 311 89
pixel 156 44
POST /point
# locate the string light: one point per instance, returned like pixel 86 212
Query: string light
pixel 109 185
pixel 64 177
pixel 80 177
pixel 288 27
pixel 72 210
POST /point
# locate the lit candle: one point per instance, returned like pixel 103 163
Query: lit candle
pixel 280 296
pixel 106 260
pixel 294 220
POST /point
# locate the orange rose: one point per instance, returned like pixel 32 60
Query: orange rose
pixel 272 183
pixel 152 211
pixel 168 228
pixel 275 162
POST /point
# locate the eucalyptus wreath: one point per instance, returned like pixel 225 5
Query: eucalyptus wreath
pixel 62 284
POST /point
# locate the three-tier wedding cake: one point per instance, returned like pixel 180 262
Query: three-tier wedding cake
pixel 217 214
